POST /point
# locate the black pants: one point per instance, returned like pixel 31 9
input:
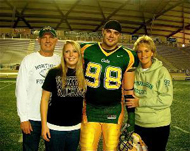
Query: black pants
pixel 155 138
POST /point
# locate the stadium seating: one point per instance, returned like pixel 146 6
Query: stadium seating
pixel 178 58
pixel 12 52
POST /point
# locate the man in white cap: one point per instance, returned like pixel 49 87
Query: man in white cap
pixel 108 68
pixel 31 75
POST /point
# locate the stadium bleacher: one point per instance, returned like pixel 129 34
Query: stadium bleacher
pixel 12 51
pixel 176 60
pixel 174 55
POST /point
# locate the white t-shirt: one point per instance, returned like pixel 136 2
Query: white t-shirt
pixel 31 75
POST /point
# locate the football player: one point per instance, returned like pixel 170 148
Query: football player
pixel 106 72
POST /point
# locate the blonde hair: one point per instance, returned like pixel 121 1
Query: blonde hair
pixel 79 67
pixel 145 40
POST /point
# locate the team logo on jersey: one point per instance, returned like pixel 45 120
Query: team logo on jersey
pixel 105 60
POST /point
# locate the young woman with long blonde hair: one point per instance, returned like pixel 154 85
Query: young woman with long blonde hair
pixel 62 101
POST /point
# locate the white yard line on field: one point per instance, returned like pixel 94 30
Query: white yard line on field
pixel 7 81
pixel 6 86
pixel 181 129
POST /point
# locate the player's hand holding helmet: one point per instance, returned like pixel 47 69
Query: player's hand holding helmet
pixel 130 141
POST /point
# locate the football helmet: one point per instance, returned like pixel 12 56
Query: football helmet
pixel 130 141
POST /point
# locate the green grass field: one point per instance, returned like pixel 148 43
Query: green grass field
pixel 10 133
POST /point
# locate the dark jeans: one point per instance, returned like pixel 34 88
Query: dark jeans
pixel 63 140
pixel 31 141
pixel 155 138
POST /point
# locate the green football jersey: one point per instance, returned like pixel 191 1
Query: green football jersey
pixel 104 73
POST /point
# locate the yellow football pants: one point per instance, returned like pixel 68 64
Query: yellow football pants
pixel 91 133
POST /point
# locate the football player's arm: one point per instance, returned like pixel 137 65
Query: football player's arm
pixel 22 98
pixel 44 109
pixel 128 87
pixel 128 84
pixel 132 101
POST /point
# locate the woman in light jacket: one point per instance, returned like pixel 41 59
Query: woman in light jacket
pixel 153 96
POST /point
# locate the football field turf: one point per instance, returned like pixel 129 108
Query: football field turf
pixel 10 133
